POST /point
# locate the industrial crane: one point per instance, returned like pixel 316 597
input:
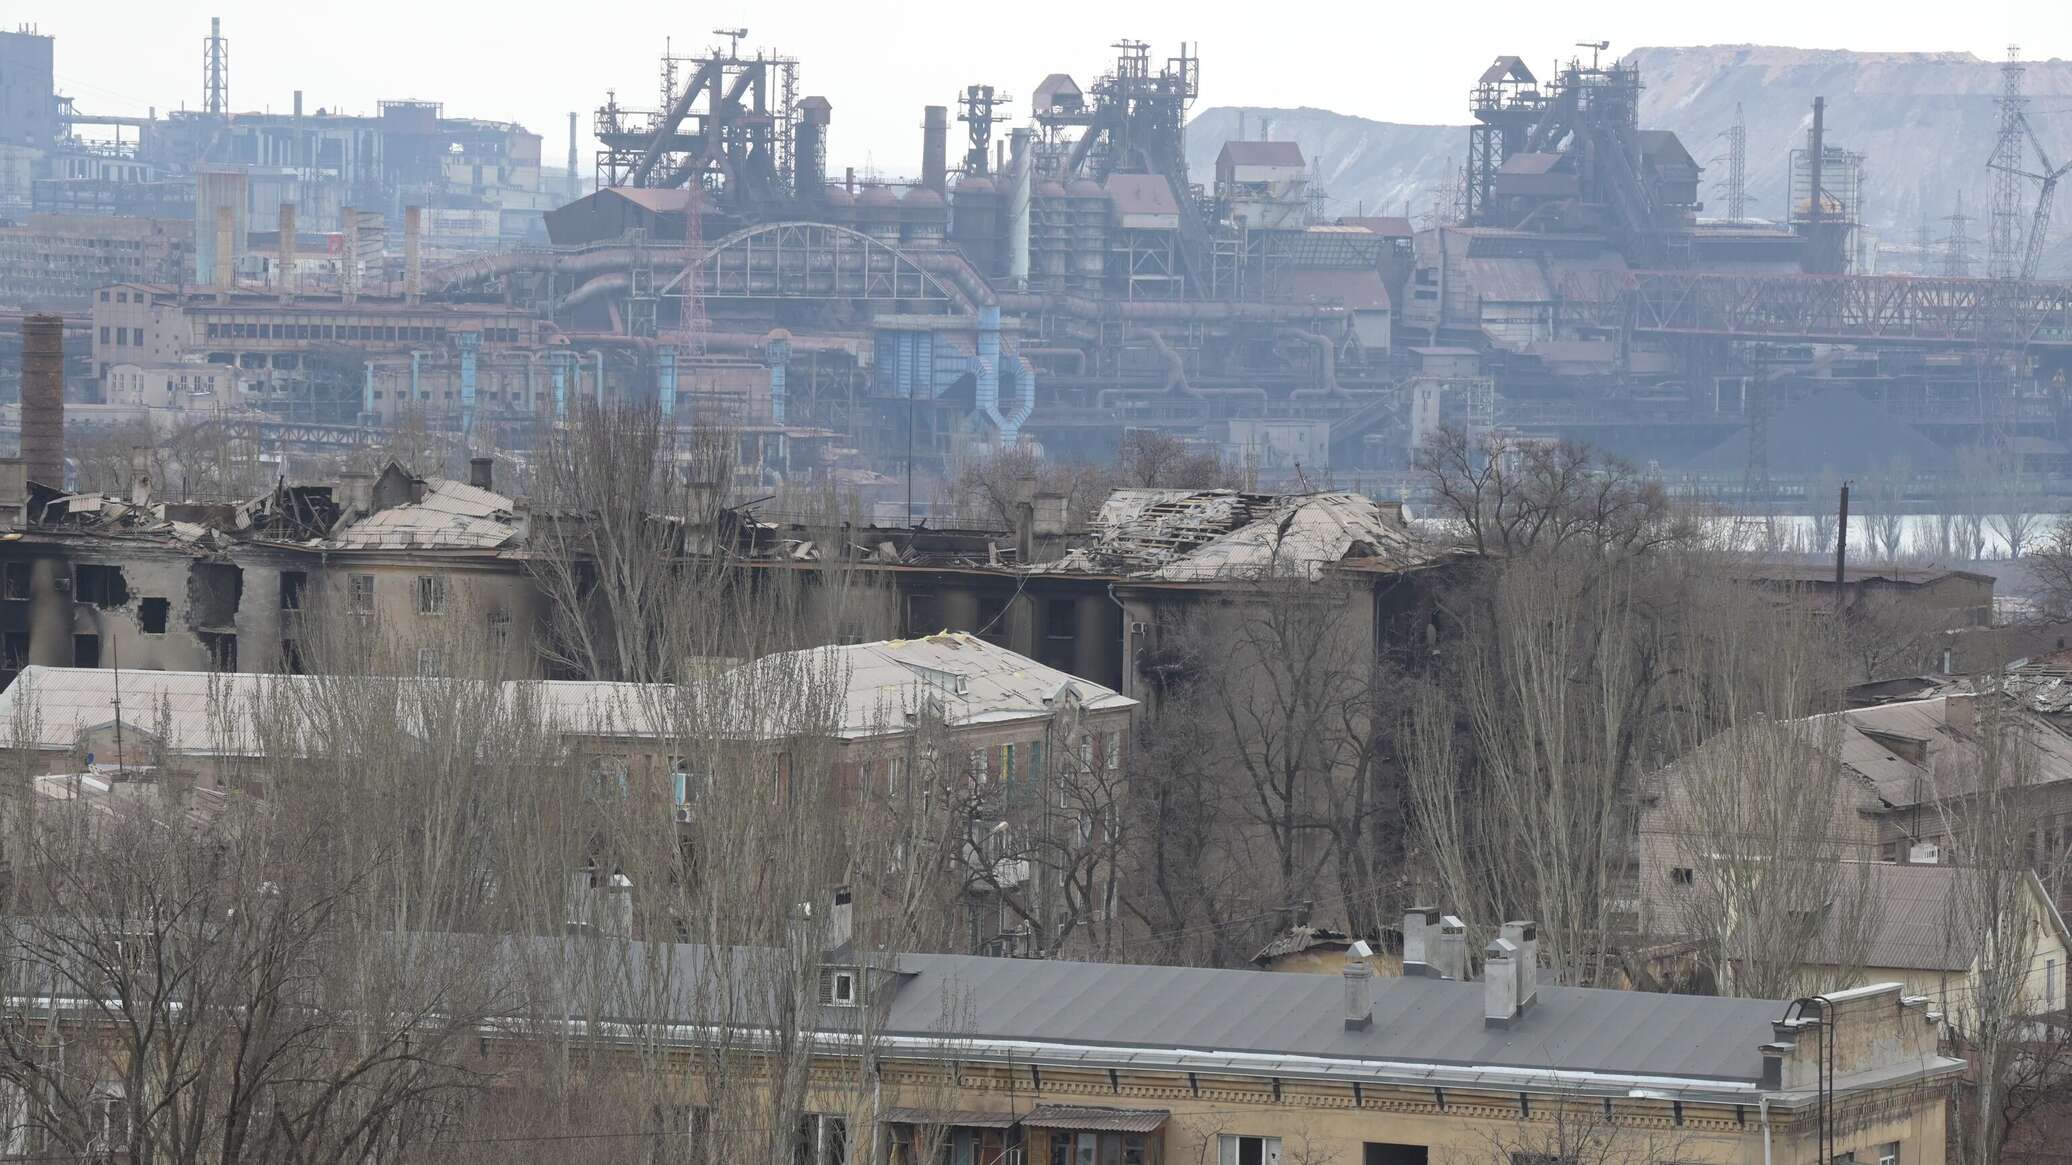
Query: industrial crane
pixel 2046 176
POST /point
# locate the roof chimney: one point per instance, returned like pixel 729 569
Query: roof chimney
pixel 1359 988
pixel 482 472
pixel 1450 960
pixel 1499 983
pixel 841 918
pixel 1420 934
pixel 1525 935
pixel 140 475
pixel 43 399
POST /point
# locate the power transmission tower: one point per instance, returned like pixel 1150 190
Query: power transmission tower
pixel 1736 187
pixel 1956 253
pixel 2005 236
pixel 215 70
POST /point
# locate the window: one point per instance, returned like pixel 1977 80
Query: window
pixel 104 333
pixel 499 630
pixel 838 988
pixel 360 593
pixel 293 583
pixel 15 581
pixel 822 1140
pixel 291 657
pixel 431 594
pixel 1681 876
pixel 430 661
pixel 1060 619
pixel 1385 1153
pixel 86 651
pixel 1248 1150
pixel 1888 1153
pixel 152 614
pixel 103 586
pixel 222 649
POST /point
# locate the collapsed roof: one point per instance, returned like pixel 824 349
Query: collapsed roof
pixel 1176 535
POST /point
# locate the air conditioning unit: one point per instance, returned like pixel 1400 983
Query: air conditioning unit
pixel 683 814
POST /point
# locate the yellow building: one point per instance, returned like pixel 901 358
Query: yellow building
pixel 1919 940
pixel 1000 1061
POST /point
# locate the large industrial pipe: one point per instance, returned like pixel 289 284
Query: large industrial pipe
pixel 1327 364
pixel 413 274
pixel 1018 212
pixel 935 148
pixel 43 399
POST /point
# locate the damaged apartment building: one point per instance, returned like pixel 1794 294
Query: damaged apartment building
pixel 96 580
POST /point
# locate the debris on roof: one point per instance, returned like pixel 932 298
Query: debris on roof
pixel 451 515
pixel 1204 535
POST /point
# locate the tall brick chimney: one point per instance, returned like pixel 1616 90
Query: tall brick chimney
pixel 43 399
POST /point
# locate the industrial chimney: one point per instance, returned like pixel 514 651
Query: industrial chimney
pixel 284 258
pixel 43 399
pixel 935 148
pixel 226 251
pixel 809 153
pixel 575 185
pixel 413 226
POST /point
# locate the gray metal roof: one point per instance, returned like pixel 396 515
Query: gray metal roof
pixel 1260 1022
pixel 1417 1021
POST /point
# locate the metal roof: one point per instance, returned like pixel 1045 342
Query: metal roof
pixel 1270 153
pixel 1178 535
pixel 1095 1119
pixel 451 515
pixel 1142 194
pixel 1507 69
pixel 1262 1022
pixel 970 681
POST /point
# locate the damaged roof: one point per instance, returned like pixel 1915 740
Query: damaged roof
pixel 1204 535
pixel 885 685
pixel 452 515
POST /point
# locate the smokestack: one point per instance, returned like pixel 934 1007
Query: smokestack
pixel 43 399
pixel 1816 150
pixel 935 148
pixel 284 260
pixel 226 250
pixel 575 184
pixel 413 225
pixel 1018 211
pixel 298 103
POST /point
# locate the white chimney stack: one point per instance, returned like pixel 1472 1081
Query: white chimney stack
pixel 841 918
pixel 1499 983
pixel 1450 960
pixel 1359 988
pixel 1525 935
pixel 1420 932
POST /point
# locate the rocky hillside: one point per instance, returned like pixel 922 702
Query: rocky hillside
pixel 1926 120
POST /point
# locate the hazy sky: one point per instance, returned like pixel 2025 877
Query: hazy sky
pixel 879 62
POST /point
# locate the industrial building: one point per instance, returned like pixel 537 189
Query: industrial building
pixel 1062 278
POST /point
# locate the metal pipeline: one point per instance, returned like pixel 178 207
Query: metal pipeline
pixel 1327 356
pixel 1076 355
pixel 1176 368
pixel 603 284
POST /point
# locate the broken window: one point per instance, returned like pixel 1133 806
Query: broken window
pixel 499 630
pixel 14 655
pixel 214 590
pixel 291 657
pixel 431 594
pixel 1251 1150
pixel 152 614
pixel 1061 619
pixel 924 616
pixel 360 593
pixel 103 586
pixel 86 651
pixel 293 583
pixel 1388 1153
pixel 222 649
pixel 430 661
pixel 1681 876
pixel 15 580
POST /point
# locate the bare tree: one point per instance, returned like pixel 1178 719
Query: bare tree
pixel 1512 498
